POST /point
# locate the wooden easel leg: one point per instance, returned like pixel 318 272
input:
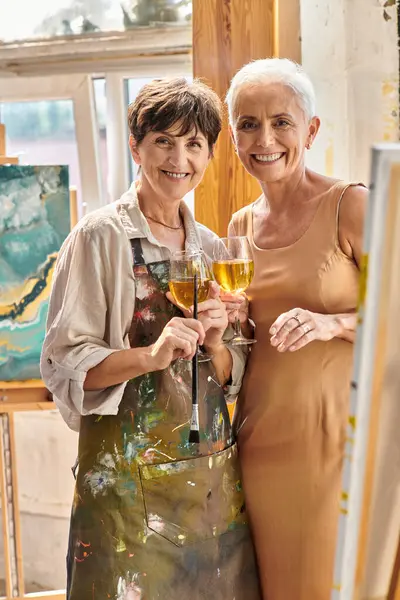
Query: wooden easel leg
pixel 9 509
pixel 2 140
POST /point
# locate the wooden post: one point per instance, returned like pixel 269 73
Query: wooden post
pixel 73 206
pixel 287 33
pixel 226 35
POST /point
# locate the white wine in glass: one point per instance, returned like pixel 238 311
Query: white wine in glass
pixel 182 291
pixel 183 266
pixel 233 269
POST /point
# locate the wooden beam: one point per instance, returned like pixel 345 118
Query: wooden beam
pixel 20 385
pixel 226 35
pixel 9 160
pixel 13 407
pixel 24 396
pixel 287 31
pixel 57 595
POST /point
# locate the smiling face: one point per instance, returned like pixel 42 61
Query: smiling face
pixel 271 131
pixel 171 164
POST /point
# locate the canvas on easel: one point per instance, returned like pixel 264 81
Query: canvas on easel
pixel 372 436
pixel 37 211
pixel 34 222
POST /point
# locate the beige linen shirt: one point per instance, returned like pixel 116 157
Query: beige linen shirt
pixel 92 303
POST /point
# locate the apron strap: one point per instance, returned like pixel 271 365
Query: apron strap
pixel 137 251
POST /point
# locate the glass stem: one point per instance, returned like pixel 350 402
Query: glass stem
pixel 237 327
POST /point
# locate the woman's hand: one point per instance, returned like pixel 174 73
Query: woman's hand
pixel 211 314
pixel 298 327
pixel 236 305
pixel 178 339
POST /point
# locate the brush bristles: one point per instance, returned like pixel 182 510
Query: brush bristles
pixel 194 437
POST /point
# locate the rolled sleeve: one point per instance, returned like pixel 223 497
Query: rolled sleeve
pixel 76 338
pixel 66 385
pixel 239 358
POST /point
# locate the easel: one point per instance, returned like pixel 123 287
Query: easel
pixel 375 378
pixel 18 397
pixel 4 159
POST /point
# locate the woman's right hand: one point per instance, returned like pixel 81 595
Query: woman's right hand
pixel 178 339
pixel 237 305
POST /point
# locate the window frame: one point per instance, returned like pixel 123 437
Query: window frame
pixel 59 68
pixel 79 89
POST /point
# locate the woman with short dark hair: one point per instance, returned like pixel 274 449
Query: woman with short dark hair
pixel 154 517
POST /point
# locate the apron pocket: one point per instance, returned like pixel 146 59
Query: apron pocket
pixel 193 500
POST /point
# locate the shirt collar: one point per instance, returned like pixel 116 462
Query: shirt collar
pixel 136 225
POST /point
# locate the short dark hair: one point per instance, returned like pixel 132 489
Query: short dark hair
pixel 162 103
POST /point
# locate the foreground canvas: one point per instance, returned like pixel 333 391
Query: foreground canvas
pixel 34 222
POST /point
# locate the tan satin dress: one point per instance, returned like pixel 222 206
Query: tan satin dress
pixel 292 411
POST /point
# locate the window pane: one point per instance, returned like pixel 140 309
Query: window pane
pixel 42 133
pixel 21 19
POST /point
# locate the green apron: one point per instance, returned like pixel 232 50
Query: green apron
pixel 155 517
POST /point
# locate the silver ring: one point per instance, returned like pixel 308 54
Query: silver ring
pixel 297 318
pixel 306 328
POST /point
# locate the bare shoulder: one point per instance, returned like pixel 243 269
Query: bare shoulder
pixel 353 207
pixel 352 213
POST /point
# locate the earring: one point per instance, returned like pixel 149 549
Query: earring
pixel 308 145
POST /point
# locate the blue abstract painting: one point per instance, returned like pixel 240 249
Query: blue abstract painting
pixel 34 222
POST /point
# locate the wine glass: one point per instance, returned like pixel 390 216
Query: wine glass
pixel 183 266
pixel 233 269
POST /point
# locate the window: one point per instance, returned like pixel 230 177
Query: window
pixel 24 19
pixel 42 133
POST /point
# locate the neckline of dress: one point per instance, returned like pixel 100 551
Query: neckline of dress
pixel 303 235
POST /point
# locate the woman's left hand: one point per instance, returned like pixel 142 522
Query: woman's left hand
pixel 298 327
pixel 211 313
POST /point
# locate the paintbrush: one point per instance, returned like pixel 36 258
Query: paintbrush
pixel 194 435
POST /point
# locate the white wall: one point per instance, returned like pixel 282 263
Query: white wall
pixel 351 53
pixel 46 450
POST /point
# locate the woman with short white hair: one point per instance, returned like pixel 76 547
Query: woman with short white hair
pixel 305 232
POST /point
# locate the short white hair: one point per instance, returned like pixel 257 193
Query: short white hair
pixel 273 70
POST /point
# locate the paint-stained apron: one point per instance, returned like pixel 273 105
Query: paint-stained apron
pixel 155 517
